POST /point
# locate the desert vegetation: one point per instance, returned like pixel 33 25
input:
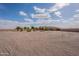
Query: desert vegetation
pixel 40 28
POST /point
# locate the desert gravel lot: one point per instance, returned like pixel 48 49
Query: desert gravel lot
pixel 48 43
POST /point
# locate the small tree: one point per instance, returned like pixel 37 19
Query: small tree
pixel 32 28
pixel 25 28
pixel 18 28
pixel 21 29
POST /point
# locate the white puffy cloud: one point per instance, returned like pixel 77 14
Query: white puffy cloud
pixel 57 13
pixel 76 16
pixel 40 15
pixel 25 14
pixel 28 20
pixel 39 10
pixel 22 13
pixel 61 5
pixel 43 21
pixel 77 11
pixel 58 6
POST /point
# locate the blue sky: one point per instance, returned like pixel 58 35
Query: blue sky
pixel 11 11
pixel 65 15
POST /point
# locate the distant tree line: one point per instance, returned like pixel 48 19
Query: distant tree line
pixel 40 28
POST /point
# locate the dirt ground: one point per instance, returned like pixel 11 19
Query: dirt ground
pixel 49 43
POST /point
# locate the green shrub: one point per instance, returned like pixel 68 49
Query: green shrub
pixel 28 29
